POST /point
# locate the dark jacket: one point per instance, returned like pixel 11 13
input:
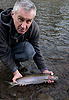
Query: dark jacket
pixel 9 37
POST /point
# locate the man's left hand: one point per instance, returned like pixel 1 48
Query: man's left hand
pixel 50 72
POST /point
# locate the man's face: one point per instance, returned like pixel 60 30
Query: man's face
pixel 22 19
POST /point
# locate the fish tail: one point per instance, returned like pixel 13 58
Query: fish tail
pixel 9 84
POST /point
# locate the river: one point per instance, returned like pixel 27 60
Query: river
pixel 53 20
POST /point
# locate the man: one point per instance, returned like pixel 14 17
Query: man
pixel 16 26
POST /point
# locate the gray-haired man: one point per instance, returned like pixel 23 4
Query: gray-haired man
pixel 16 26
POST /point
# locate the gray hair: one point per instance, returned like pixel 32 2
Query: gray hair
pixel 25 4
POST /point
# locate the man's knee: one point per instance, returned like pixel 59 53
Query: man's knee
pixel 23 51
pixel 29 50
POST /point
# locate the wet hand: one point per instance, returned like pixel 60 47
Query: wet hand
pixel 46 71
pixel 50 72
pixel 22 84
pixel 16 75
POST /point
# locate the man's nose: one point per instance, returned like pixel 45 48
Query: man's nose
pixel 23 25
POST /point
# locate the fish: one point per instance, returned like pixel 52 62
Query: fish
pixel 33 79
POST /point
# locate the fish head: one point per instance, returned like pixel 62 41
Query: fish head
pixel 53 78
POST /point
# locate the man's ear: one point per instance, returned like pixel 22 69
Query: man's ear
pixel 12 14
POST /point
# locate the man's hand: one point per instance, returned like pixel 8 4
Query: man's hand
pixel 16 75
pixel 50 72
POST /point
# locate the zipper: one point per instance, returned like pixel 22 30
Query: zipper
pixel 16 38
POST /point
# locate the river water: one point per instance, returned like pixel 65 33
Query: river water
pixel 53 20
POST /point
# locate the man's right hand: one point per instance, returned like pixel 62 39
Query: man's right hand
pixel 16 75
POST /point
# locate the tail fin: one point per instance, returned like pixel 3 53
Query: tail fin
pixel 9 85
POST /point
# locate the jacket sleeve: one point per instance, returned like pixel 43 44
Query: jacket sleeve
pixel 34 40
pixel 5 51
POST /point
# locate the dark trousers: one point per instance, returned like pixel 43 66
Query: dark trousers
pixel 23 51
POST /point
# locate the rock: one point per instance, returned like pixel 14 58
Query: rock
pixel 44 96
pixel 53 93
pixel 19 96
pixel 66 99
pixel 7 98
pixel 68 91
pixel 3 94
pixel 45 89
pixel 12 92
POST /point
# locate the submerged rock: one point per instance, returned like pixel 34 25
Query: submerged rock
pixel 44 96
pixel 66 99
pixel 19 96
pixel 68 91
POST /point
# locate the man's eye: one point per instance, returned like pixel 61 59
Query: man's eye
pixel 28 21
pixel 20 19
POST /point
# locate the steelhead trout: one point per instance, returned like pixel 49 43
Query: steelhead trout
pixel 33 79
